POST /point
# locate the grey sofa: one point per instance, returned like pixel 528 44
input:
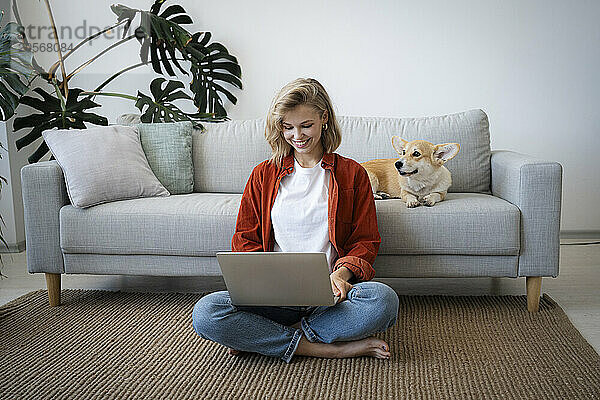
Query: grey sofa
pixel 501 217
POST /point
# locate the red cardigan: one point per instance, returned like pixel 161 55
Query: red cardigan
pixel 351 209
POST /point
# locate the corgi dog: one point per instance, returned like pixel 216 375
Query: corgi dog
pixel 417 177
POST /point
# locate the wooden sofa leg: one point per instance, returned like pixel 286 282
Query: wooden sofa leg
pixel 53 284
pixel 534 285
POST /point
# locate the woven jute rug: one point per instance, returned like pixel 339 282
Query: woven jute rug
pixel 115 345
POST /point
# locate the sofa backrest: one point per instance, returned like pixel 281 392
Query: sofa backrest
pixel 225 154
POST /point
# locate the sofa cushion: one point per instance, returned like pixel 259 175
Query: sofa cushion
pixel 238 146
pixel 464 223
pixel 201 224
pixel 168 147
pixel 103 164
pixel 225 154
pixel 195 224
pixel 369 138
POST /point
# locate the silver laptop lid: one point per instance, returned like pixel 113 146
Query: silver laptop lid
pixel 277 278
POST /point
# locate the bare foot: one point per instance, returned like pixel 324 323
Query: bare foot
pixel 371 346
pixel 233 352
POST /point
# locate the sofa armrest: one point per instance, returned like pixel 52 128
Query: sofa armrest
pixel 44 193
pixel 535 186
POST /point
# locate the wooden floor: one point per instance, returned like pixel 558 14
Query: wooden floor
pixel 575 289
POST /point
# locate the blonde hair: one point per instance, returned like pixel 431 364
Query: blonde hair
pixel 306 91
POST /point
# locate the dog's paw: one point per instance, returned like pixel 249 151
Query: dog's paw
pixel 412 203
pixel 377 196
pixel 383 195
pixel 429 200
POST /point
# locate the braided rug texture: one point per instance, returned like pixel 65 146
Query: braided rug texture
pixel 117 345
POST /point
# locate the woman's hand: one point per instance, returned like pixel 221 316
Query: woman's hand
pixel 339 282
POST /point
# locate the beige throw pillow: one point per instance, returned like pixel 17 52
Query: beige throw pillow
pixel 103 164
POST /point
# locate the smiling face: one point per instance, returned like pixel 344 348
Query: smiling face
pixel 302 127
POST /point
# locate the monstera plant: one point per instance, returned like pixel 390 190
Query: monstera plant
pixel 165 46
pixel 15 68
pixel 15 77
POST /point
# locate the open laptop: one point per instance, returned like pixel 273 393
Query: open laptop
pixel 277 278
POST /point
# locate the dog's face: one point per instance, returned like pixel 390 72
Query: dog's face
pixel 421 158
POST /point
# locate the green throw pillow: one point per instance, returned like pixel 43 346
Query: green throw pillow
pixel 168 148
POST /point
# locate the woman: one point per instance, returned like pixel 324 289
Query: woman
pixel 307 199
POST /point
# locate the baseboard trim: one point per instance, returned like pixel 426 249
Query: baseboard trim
pixel 580 234
pixel 12 248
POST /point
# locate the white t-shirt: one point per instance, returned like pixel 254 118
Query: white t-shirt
pixel 299 214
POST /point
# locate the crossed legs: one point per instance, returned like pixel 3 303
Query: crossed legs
pixel 343 330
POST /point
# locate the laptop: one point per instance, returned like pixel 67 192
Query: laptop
pixel 277 278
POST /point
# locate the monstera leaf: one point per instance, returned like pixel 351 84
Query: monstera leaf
pixel 212 65
pixel 159 42
pixel 159 34
pixel 161 109
pixel 214 70
pixel 15 64
pixel 55 113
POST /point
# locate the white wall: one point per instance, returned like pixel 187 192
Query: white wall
pixel 531 65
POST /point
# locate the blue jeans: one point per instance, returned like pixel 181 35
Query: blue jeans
pixel 370 307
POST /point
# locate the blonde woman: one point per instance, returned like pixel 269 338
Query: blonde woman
pixel 321 202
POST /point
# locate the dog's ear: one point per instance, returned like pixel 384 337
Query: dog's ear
pixel 445 152
pixel 398 144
